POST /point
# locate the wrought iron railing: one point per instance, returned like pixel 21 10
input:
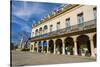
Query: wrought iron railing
pixel 75 28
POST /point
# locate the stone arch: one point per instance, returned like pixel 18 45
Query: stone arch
pixel 51 46
pixel 35 46
pixel 36 31
pixel 45 46
pixel 45 29
pixel 59 46
pixel 40 30
pixel 69 44
pixel 83 45
pixel 40 46
pixel 51 28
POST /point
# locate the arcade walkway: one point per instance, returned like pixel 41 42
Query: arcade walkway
pixel 28 58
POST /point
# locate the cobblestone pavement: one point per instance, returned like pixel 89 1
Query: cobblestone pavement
pixel 27 58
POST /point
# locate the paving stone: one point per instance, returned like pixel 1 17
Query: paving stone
pixel 28 58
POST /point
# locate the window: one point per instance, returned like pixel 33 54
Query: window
pixel 51 27
pixel 80 18
pixel 58 25
pixel 36 32
pixel 40 30
pixel 45 29
pixel 95 12
pixel 80 21
pixel 68 22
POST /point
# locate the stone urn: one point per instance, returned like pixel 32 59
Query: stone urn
pixel 58 52
pixel 68 53
pixel 83 54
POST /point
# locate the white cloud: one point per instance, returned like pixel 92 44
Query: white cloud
pixel 25 11
pixel 28 9
pixel 24 26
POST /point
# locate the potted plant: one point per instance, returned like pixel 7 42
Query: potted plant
pixel 58 52
pixel 82 47
pixel 68 53
pixel 69 49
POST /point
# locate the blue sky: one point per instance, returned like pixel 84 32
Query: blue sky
pixel 25 13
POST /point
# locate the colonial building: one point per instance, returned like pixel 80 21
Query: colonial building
pixel 69 30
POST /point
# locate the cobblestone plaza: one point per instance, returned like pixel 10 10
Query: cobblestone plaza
pixel 27 58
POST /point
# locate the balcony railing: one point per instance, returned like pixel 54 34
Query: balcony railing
pixel 75 28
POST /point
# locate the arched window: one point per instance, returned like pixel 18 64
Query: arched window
pixel 83 45
pixel 45 29
pixel 59 46
pixel 51 46
pixel 69 45
pixel 40 30
pixel 51 27
pixel 36 32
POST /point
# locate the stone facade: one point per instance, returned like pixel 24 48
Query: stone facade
pixel 70 30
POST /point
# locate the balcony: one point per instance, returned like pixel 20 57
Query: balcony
pixel 75 28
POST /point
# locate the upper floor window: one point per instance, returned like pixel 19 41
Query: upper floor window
pixel 36 32
pixel 68 22
pixel 80 18
pixel 45 29
pixel 58 25
pixel 51 27
pixel 40 30
pixel 95 12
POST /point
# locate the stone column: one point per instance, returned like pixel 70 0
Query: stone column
pixel 42 46
pixel 92 48
pixel 75 45
pixel 33 46
pixel 63 46
pixel 54 46
pixel 47 46
pixel 32 50
pixel 30 47
pixel 91 45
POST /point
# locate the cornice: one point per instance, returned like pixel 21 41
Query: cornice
pixel 55 14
